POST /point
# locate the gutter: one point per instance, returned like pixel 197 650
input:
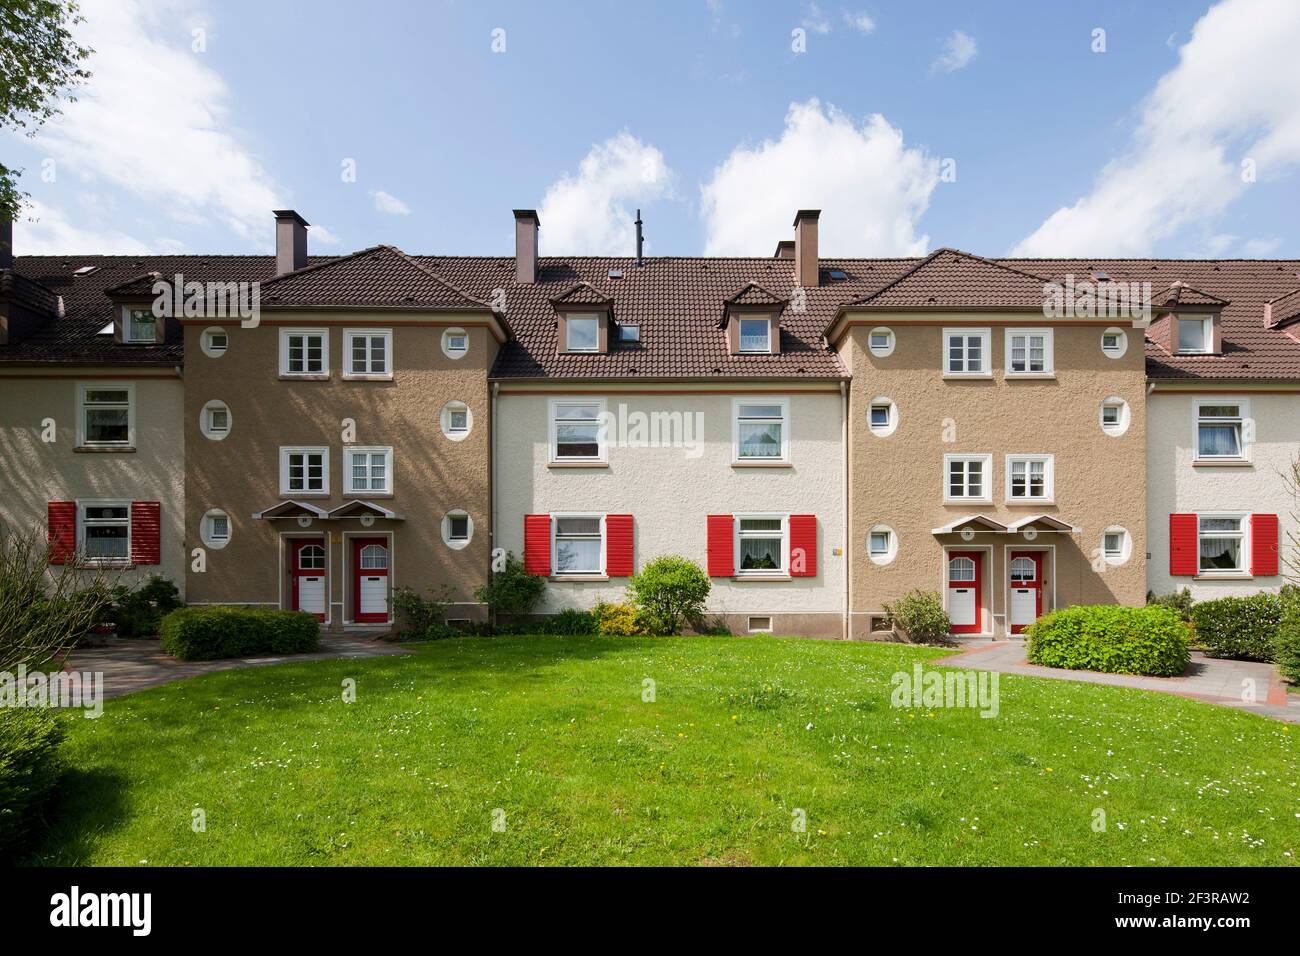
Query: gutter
pixel 844 454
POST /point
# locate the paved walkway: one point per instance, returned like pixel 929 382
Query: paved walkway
pixel 130 665
pixel 1209 679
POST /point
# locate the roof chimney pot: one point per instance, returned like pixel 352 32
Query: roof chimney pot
pixel 784 249
pixel 290 241
pixel 806 274
pixel 526 227
pixel 6 243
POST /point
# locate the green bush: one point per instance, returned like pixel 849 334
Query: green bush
pixel 139 613
pixel 1288 643
pixel 1243 627
pixel 670 592
pixel 568 623
pixel 619 620
pixel 512 590
pixel 210 633
pixel 1112 639
pixel 30 767
pixel 423 618
pixel 1180 601
pixel 921 617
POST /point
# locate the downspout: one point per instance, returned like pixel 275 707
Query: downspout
pixel 848 551
pixel 492 488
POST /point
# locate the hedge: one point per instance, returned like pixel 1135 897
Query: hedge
pixel 30 767
pixel 1244 627
pixel 209 633
pixel 1288 643
pixel 1111 639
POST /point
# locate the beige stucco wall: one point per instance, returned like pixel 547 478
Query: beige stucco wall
pixel 431 473
pixel 670 492
pixel 1176 486
pixel 898 480
pixel 36 472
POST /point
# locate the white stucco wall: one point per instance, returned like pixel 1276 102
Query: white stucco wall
pixel 669 494
pixel 1175 486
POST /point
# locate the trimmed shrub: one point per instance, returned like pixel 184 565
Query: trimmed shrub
pixel 1242 627
pixel 567 623
pixel 619 620
pixel 670 592
pixel 1288 642
pixel 210 633
pixel 920 616
pixel 30 767
pixel 1179 601
pixel 1112 639
pixel 139 613
pixel 512 590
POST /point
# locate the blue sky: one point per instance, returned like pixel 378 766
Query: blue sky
pixel 700 112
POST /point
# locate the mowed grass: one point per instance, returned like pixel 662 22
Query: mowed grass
pixel 743 735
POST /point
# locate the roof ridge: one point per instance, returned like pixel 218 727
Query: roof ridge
pixel 314 267
pixel 437 278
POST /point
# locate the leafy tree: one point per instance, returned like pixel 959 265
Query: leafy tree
pixel 39 63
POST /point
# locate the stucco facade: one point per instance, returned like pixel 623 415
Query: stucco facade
pixel 671 491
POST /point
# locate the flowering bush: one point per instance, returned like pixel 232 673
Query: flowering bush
pixel 1244 627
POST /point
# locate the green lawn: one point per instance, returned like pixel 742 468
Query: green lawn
pixel 744 731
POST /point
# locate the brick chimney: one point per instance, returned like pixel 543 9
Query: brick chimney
pixel 6 243
pixel 290 241
pixel 805 248
pixel 526 226
pixel 784 249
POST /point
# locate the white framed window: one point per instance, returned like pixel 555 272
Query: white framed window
pixel 1195 335
pixel 368 471
pixel 577 430
pixel 1222 430
pixel 967 478
pixel 881 342
pixel 456 420
pixel 104 531
pixel 578 544
pixel 1114 342
pixel 966 352
pixel 882 416
pixel 455 343
pixel 139 325
pixel 1114 416
pixel 304 352
pixel 106 415
pixel 304 470
pixel 761 544
pixel 368 353
pixel 760 430
pixel 582 333
pixel 1116 545
pixel 882 544
pixel 755 333
pixel 214 341
pixel 215 529
pixel 457 529
pixel 1222 544
pixel 1029 478
pixel 215 421
pixel 1029 352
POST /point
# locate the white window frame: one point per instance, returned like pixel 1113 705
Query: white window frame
pixel 205 424
pixel 1049 479
pixel 555 544
pixel 784 404
pixel 1244 552
pixel 891 416
pixel 986 351
pixel 387 374
pixel 569 319
pixel 741 319
pixel 82 505
pixel 368 451
pixel 987 477
pixel 457 544
pixel 784 570
pixel 1207 324
pixel 1121 345
pixel 444 420
pixel 882 351
pixel 1243 431
pixel 82 389
pixel 447 350
pixel 127 338
pixel 1049 357
pixel 205 341
pixel 891 544
pixel 1125 546
pixel 602 439
pixel 1123 414
pixel 288 331
pixel 205 529
pixel 286 451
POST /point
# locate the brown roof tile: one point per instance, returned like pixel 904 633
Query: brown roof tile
pixel 952 279
pixel 381 277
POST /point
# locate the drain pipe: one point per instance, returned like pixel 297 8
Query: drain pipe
pixel 492 490
pixel 848 551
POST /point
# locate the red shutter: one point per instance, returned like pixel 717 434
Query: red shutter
pixel 1263 545
pixel 618 546
pixel 537 544
pixel 62 530
pixel 1183 549
pixel 803 546
pixel 145 531
pixel 721 546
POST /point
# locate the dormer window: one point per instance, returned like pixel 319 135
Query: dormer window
pixel 755 334
pixel 139 325
pixel 582 333
pixel 1195 334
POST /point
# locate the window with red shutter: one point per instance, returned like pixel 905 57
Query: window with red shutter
pixel 62 530
pixel 721 546
pixel 146 532
pixel 803 546
pixel 1263 545
pixel 1183 548
pixel 537 544
pixel 618 546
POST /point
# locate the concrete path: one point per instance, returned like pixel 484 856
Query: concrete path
pixel 130 665
pixel 1209 679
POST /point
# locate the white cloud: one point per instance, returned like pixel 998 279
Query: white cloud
pixel 53 233
pixel 154 121
pixel 591 213
pixel 860 21
pixel 816 20
pixel 387 202
pixel 320 235
pixel 1234 96
pixel 873 187
pixel 958 50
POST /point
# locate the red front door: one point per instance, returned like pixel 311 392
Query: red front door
pixel 965 607
pixel 1026 589
pixel 370 561
pixel 307 569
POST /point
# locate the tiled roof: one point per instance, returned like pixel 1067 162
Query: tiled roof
pixel 1180 294
pixel 952 279
pixel 1283 310
pixel 29 293
pixel 584 293
pixel 754 294
pixel 381 277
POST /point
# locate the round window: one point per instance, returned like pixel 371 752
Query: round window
pixel 455 343
pixel 881 342
pixel 215 421
pixel 214 341
pixel 215 529
pixel 457 529
pixel 882 544
pixel 457 420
